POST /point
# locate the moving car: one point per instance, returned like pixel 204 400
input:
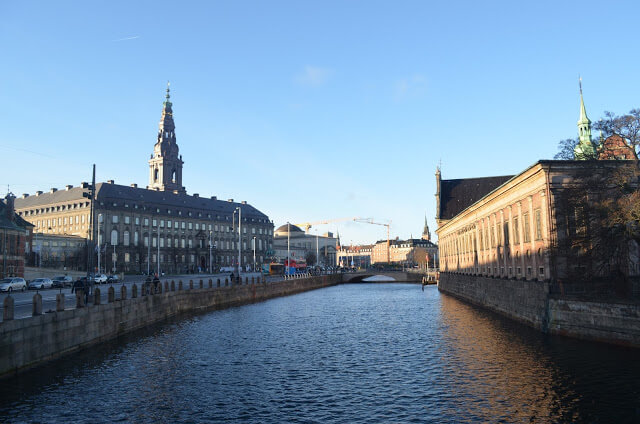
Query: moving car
pixel 112 278
pixel 40 283
pixel 62 281
pixel 12 284
pixel 100 278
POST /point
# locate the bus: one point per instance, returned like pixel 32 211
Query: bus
pixel 273 269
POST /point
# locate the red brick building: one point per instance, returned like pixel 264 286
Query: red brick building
pixel 14 235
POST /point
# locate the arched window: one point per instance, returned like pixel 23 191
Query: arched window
pixel 135 238
pixel 125 238
pixel 173 176
pixel 114 237
pixel 155 175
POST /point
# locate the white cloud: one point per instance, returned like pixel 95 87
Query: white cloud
pixel 313 75
pixel 409 87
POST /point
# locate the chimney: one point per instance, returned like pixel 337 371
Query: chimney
pixel 38 193
pixel 68 187
pixel 244 202
pixel 11 211
pixel 84 184
pixel 53 190
pixel 196 195
pixel 134 185
pixel 109 181
pixel 25 195
pixel 214 197
pixel 230 200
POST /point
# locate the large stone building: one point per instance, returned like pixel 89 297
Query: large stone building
pixel 160 226
pixel 525 226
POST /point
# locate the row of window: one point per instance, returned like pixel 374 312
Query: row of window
pixel 52 209
pixel 177 242
pixel 181 225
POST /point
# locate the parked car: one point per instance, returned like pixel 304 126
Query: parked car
pixel 13 284
pixel 112 279
pixel 100 278
pixel 40 283
pixel 62 281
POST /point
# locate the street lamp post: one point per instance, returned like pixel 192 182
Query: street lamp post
pixel 158 258
pixel 210 257
pixel 239 264
pixel 254 253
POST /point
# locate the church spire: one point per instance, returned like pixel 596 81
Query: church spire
pixel 585 148
pixel 426 234
pixel 165 165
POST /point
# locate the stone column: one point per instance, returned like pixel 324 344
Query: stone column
pixel 111 295
pixel 218 282
pixel 8 311
pixel 166 286
pixel 60 302
pixel 546 234
pixel 79 298
pixel 173 285
pixel 134 291
pixel 96 296
pixel 201 284
pixel 179 284
pixel 190 284
pixel 521 237
pixel 532 238
pixel 123 292
pixel 210 283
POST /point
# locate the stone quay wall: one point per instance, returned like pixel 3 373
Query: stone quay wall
pixel 531 303
pixel 524 301
pixel 25 343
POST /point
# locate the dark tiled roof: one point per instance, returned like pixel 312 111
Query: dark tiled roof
pixel 18 224
pixel 109 193
pixel 457 195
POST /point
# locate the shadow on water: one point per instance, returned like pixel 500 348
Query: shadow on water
pixel 510 367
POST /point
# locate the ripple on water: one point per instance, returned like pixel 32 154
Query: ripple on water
pixel 345 354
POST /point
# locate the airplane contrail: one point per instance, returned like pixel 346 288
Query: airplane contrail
pixel 127 38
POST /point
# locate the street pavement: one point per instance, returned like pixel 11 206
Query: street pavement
pixel 23 301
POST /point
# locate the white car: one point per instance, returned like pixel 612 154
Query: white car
pixel 13 284
pixel 40 283
pixel 100 278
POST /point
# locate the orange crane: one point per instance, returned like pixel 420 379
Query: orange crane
pixel 370 221
pixel 308 225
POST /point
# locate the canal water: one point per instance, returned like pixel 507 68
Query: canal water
pixel 361 353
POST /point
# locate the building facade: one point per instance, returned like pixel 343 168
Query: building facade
pixel 529 226
pixel 160 227
pixel 15 234
pixel 291 240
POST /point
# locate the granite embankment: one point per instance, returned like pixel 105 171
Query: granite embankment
pixel 25 343
pixel 531 303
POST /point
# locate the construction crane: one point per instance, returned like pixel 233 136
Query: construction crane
pixel 370 221
pixel 308 225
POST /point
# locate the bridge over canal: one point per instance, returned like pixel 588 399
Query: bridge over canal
pixel 390 276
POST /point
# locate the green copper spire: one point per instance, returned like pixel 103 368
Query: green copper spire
pixel 585 148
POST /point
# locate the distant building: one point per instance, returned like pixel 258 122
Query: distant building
pixel 161 225
pixel 15 234
pixel 300 246
pixel 358 256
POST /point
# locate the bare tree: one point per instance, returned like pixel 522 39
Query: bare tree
pixel 566 149
pixel 597 219
pixel 626 126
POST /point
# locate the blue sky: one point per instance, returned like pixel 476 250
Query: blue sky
pixel 307 110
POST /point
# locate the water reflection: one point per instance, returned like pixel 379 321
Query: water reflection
pixel 513 373
pixel 352 353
